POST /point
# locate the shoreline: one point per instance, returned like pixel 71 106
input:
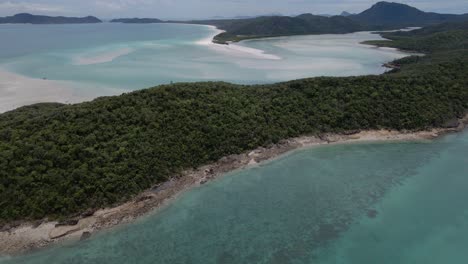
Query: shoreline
pixel 35 235
pixel 234 49
pixel 17 90
pixel 236 39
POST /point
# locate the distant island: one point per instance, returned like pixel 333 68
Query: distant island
pixel 137 20
pixel 381 16
pixel 26 18
pixel 395 15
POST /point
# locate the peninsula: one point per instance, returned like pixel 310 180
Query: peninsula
pixel 65 162
pixel 25 18
pixel 381 16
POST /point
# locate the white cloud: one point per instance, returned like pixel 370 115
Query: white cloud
pixel 11 7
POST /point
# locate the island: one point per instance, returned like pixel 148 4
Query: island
pixel 132 152
pixel 61 163
pixel 26 18
pixel 381 16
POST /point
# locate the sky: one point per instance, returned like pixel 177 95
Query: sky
pixel 192 9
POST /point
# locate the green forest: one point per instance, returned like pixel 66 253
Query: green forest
pixel 380 16
pixel 59 160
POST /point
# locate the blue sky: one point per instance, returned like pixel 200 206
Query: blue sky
pixel 184 9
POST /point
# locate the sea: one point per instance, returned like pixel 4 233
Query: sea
pixel 74 63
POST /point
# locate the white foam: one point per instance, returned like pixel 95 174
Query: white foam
pixel 243 51
pixel 102 57
pixel 234 49
pixel 209 40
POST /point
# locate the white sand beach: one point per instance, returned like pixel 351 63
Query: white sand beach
pixel 17 91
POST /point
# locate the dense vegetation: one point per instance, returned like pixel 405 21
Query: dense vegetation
pixel 381 16
pixel 444 37
pixel 57 160
pixel 268 26
pixel 25 18
pixel 395 15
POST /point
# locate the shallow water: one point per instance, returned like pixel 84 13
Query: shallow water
pixel 400 202
pixel 109 58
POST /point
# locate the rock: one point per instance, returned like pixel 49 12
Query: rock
pixel 209 171
pixel 203 181
pixel 452 123
pixel 351 132
pixel 37 223
pixel 85 236
pixel 391 65
pixel 372 213
pixel 70 222
pixel 88 213
pixel 144 198
pixel 8 227
pixel 61 232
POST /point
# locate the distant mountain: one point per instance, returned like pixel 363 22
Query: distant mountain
pixel 25 18
pixel 345 14
pixel 381 16
pixel 386 14
pixel 267 26
pixel 137 20
pixel 325 15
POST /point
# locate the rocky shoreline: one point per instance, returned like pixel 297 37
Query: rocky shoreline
pixel 16 239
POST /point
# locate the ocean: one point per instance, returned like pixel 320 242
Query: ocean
pixel 74 63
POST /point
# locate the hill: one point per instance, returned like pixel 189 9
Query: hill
pixel 25 18
pixel 442 37
pixel 395 15
pixel 136 20
pixel 381 16
pixel 59 160
pixel 238 29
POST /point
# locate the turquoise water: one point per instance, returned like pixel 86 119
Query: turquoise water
pixel 400 202
pixel 133 57
pixel 75 63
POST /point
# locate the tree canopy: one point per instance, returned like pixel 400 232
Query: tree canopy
pixel 58 160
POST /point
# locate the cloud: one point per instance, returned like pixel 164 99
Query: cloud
pixel 10 7
pixel 187 9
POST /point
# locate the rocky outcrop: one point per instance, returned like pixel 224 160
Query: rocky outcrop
pixel 452 123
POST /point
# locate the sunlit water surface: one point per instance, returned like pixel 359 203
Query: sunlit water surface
pixel 395 202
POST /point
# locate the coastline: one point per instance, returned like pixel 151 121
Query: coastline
pixel 39 234
pixel 17 90
pixel 234 49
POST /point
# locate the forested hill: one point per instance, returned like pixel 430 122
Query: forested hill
pixel 443 37
pixel 36 19
pixel 395 15
pixel 58 160
pixel 381 16
pixel 268 26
